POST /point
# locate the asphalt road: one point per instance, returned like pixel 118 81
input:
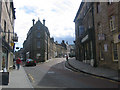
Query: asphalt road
pixel 54 74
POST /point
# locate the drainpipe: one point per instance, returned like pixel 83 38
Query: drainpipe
pixel 119 56
pixel 0 49
pixel 0 38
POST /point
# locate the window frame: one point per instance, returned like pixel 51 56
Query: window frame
pixel 38 44
pixel 38 35
pixel 112 23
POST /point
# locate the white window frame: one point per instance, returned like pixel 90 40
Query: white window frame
pixel 112 23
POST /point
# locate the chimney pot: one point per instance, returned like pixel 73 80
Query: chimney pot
pixel 33 21
pixel 43 21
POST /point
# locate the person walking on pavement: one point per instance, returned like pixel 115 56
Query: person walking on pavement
pixel 67 57
pixel 18 62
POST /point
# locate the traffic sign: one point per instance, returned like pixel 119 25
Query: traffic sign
pixel 119 36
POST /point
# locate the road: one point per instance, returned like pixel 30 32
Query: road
pixel 54 74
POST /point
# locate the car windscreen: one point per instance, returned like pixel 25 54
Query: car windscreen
pixel 29 60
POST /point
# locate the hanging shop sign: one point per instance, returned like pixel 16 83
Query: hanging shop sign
pixel 12 44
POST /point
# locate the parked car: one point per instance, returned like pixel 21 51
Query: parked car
pixel 30 62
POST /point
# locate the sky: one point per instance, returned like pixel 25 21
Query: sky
pixel 59 16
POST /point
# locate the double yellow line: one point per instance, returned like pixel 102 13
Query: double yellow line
pixel 31 77
pixel 107 79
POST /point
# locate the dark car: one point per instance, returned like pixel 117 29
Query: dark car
pixel 30 62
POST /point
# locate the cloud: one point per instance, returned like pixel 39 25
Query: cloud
pixel 59 16
pixel 28 10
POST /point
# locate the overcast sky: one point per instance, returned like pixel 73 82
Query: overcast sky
pixel 59 16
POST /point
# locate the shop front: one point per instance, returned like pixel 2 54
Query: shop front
pixel 87 48
pixel 7 52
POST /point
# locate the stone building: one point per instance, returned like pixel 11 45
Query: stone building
pixel 60 50
pixel 36 45
pixel 53 48
pixel 7 17
pixel 85 34
pixel 102 22
pixel 107 31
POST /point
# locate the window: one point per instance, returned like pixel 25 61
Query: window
pixel 38 27
pixel 112 23
pixel 101 53
pixel 8 36
pixel 81 30
pixel 99 26
pixel 115 52
pixel 38 34
pixel 4 36
pixel 98 7
pixel 38 44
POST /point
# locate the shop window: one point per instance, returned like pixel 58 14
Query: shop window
pixel 101 53
pixel 112 23
pixel 115 52
pixel 91 49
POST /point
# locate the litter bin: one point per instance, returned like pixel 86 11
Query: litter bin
pixel 5 78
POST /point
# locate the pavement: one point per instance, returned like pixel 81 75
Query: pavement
pixel 18 79
pixel 96 71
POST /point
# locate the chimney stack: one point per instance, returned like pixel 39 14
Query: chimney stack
pixel 44 22
pixel 33 21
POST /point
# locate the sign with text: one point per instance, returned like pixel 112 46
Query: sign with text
pixel 101 36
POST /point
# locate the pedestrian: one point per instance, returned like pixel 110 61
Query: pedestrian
pixel 67 57
pixel 3 63
pixel 14 63
pixel 18 62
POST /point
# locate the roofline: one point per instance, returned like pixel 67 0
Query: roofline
pixel 81 5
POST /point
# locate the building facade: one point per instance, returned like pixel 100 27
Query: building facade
pixel 107 31
pixel 38 44
pixel 7 17
pixel 85 34
pixel 97 31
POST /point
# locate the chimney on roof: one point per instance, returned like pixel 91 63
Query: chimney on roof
pixel 44 22
pixel 33 21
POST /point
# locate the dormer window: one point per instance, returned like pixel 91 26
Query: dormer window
pixel 38 27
